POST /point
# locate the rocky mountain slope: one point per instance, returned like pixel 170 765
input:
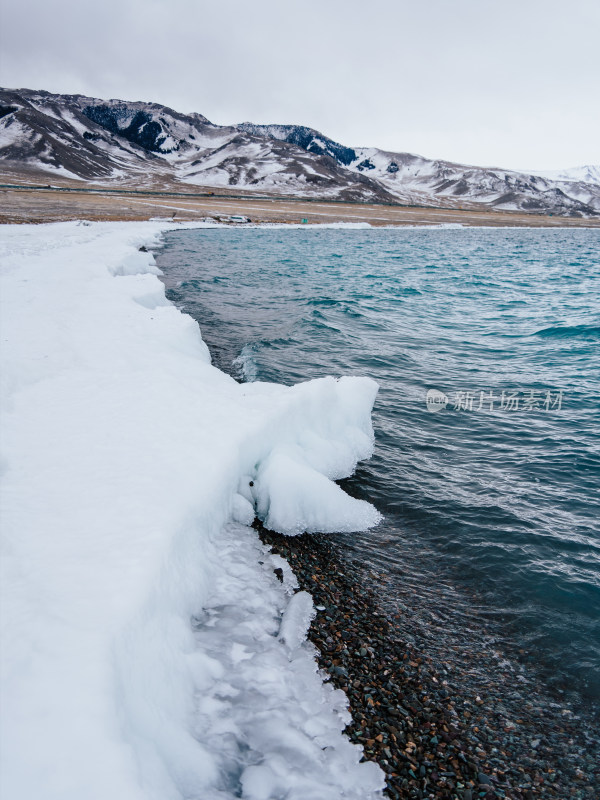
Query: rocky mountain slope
pixel 113 142
pixel 589 173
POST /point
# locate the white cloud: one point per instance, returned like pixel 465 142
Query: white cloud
pixel 509 83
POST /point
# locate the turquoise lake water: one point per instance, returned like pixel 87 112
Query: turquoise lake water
pixel 496 492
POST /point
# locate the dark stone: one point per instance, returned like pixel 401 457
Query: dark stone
pixel 366 164
pixel 5 110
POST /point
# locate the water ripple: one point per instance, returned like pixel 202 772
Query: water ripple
pixel 502 502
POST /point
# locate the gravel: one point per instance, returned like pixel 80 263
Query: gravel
pixel 439 727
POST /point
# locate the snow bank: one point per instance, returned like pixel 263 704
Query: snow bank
pixel 148 650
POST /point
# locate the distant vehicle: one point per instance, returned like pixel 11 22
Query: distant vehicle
pixel 239 218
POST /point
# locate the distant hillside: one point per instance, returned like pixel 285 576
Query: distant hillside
pixel 135 143
pixel 589 173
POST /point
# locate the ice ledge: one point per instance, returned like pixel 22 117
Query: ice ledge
pixel 124 458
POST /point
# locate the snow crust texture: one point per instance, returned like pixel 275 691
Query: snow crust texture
pixel 148 649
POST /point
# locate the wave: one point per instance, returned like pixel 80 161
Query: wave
pixel 323 301
pixel 246 364
pixel 570 332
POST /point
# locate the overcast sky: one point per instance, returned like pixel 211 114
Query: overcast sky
pixel 512 83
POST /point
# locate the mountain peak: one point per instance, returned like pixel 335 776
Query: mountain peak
pixel 138 143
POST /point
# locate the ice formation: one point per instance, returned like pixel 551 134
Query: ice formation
pixel 148 649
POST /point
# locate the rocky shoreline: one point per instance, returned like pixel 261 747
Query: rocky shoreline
pixel 431 728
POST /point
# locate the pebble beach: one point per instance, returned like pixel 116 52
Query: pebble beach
pixel 438 728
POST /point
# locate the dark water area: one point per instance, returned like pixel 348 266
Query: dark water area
pixel 491 495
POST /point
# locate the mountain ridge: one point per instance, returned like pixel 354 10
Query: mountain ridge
pixel 120 142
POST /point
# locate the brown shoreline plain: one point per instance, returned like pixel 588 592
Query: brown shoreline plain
pixel 29 197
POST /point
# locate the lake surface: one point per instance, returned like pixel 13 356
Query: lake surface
pixel 491 492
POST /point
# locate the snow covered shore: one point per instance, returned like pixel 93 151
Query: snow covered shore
pixel 148 650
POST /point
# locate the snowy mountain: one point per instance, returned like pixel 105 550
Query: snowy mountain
pixel 148 144
pixel 422 181
pixel 589 173
pixel 307 138
pixel 114 142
